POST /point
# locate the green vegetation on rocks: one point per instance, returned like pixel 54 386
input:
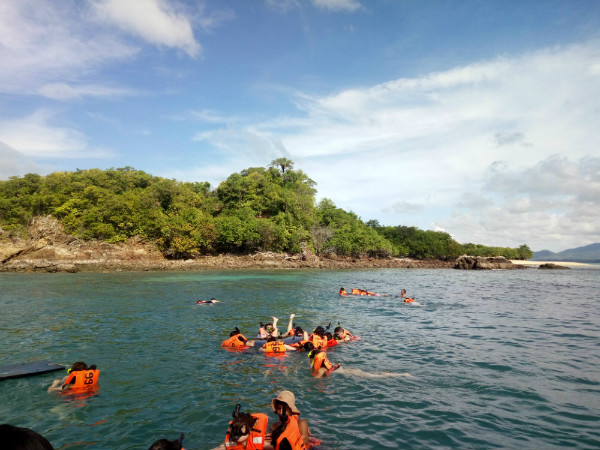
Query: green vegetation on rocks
pixel 258 209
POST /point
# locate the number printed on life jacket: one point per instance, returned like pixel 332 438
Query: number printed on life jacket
pixel 89 378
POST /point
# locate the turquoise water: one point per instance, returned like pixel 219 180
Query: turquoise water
pixel 497 359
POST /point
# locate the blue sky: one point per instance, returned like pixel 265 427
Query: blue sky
pixel 478 118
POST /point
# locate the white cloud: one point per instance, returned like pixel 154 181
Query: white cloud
pixel 34 136
pixel 42 42
pixel 337 5
pixel 433 141
pixel 157 21
pixel 64 91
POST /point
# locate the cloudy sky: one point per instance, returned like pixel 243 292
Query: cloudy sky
pixel 478 118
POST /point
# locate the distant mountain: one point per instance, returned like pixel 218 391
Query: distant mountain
pixel 587 254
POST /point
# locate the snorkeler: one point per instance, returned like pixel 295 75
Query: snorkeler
pixel 80 376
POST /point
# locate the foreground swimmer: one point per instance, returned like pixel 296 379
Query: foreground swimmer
pixel 17 438
pixel 80 376
pixel 237 340
pixel 251 431
pixel 165 444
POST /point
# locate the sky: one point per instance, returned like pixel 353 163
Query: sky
pixel 478 118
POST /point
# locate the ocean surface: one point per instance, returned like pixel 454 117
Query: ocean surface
pixel 484 360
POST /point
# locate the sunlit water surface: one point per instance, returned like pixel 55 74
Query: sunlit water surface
pixel 487 359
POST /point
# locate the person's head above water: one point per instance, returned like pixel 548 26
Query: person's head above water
pixel 284 403
pixel 234 332
pixel 17 438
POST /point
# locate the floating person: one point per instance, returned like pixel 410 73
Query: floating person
pixel 331 341
pixel 212 301
pixel 80 377
pixel 405 298
pixel 17 438
pixel 270 329
pixel 274 346
pixel 318 338
pixel 293 330
pixel 165 444
pixel 319 362
pixel 237 340
pixel 341 334
pixel 342 291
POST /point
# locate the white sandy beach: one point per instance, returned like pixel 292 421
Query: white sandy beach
pixel 558 263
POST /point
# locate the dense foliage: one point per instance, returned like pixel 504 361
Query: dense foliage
pixel 267 209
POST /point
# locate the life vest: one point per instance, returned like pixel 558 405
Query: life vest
pixel 234 341
pixel 292 434
pixel 274 347
pixel 355 291
pixel 318 341
pixel 332 343
pixel 343 292
pixel 409 300
pixel 300 344
pixel 321 360
pixel 84 379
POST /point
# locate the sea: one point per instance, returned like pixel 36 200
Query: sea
pixel 502 359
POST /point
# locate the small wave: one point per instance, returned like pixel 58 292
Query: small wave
pixel 362 374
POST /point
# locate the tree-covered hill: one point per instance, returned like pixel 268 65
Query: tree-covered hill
pixel 266 209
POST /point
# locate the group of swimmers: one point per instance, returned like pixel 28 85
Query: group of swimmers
pixel 245 432
pixel 314 343
pixel 355 291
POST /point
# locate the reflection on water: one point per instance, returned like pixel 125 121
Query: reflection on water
pixel 454 371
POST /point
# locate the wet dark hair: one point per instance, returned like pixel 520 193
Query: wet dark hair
pixel 308 346
pixel 80 365
pixel 234 332
pixel 165 444
pixel 319 331
pixel 271 339
pixel 238 423
pixel 298 331
pixel 17 438
pixel 337 330
pixel 329 336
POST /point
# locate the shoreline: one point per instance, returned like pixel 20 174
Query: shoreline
pixel 558 263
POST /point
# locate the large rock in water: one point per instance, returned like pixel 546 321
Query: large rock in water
pixel 466 262
pixel 552 266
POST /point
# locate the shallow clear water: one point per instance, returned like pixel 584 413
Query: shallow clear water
pixel 497 359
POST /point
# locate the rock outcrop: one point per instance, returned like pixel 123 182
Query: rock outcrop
pixel 466 262
pixel 552 266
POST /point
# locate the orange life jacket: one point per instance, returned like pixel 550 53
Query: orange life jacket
pixel 84 379
pixel 321 360
pixel 332 343
pixel 342 292
pixel 299 344
pixel 409 300
pixel 234 341
pixel 318 341
pixel 292 434
pixel 274 347
pixel 355 291
pixel 256 438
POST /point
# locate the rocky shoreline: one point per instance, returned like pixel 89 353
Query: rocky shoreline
pixel 49 249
